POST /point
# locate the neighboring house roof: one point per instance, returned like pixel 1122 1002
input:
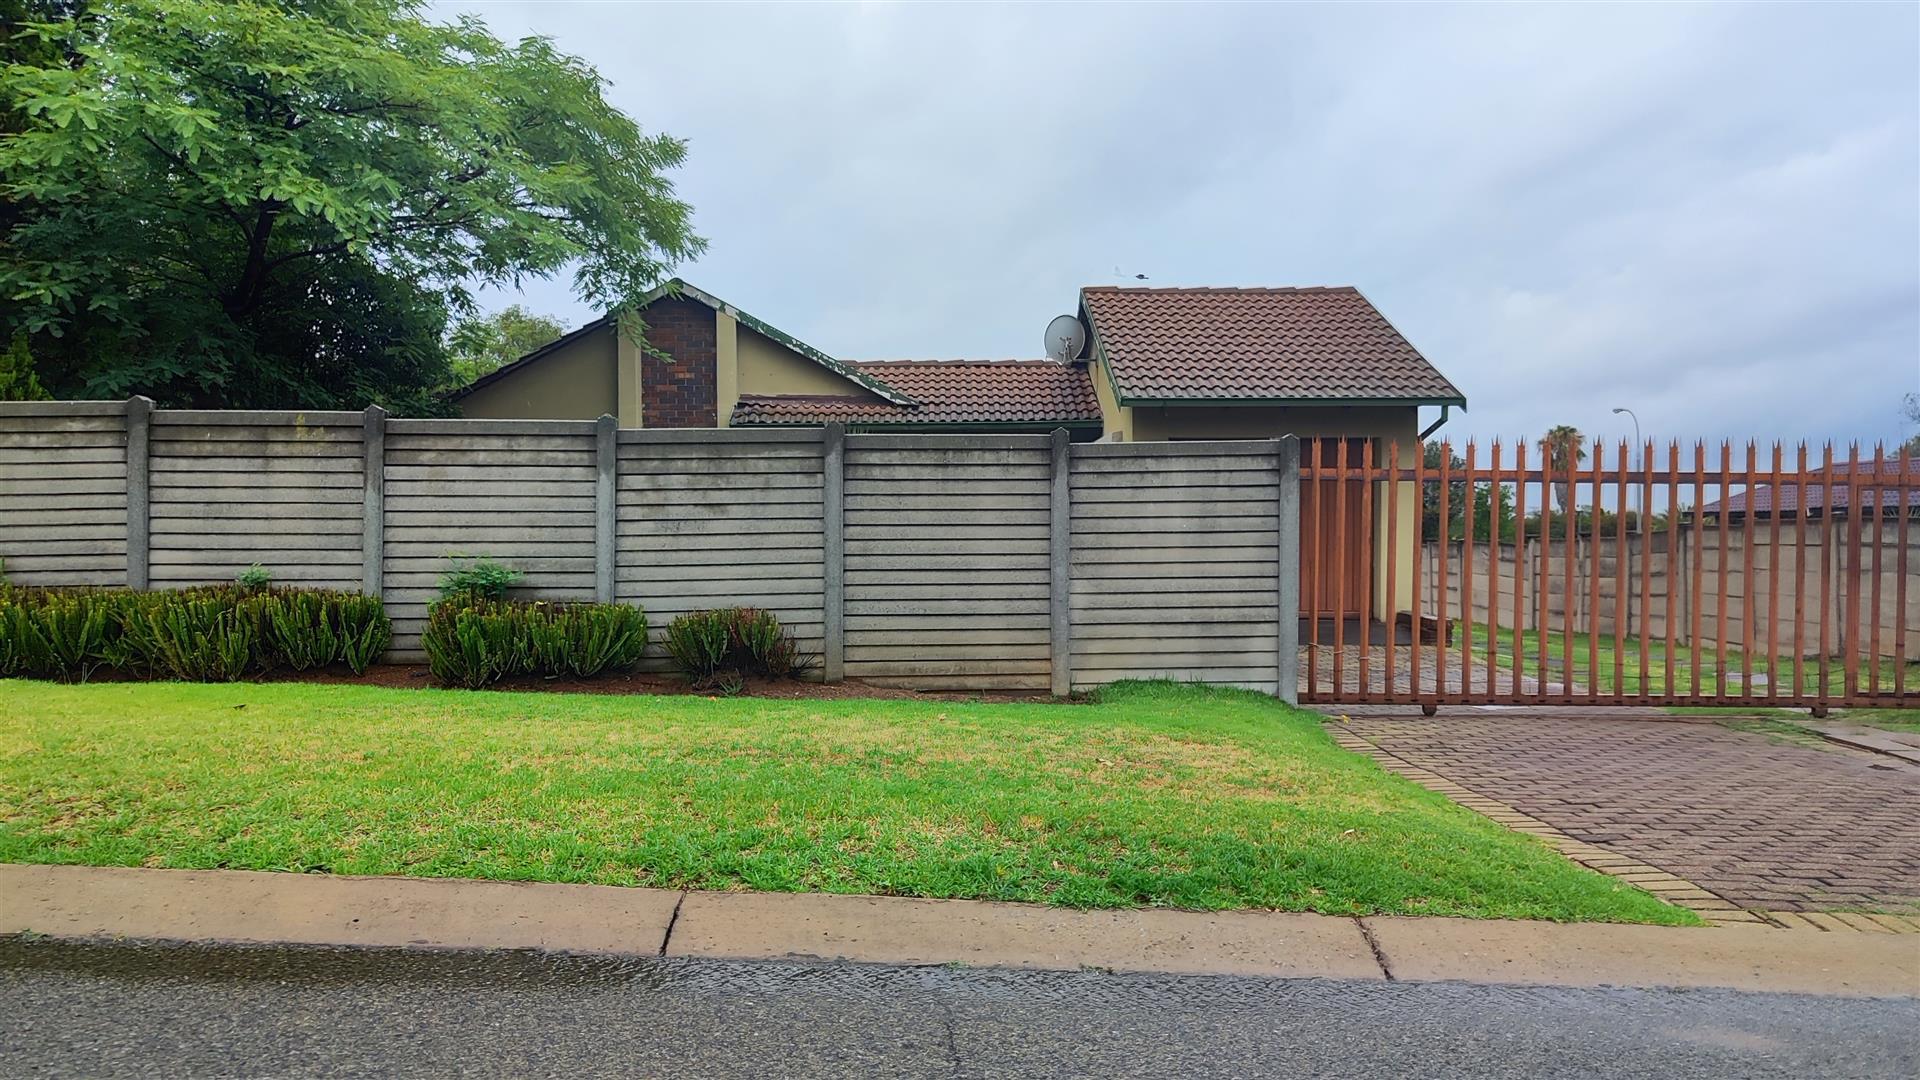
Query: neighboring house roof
pixel 1314 345
pixel 1824 490
pixel 679 288
pixel 944 392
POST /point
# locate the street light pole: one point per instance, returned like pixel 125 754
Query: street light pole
pixel 1636 427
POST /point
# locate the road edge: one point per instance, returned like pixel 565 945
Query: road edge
pixel 255 908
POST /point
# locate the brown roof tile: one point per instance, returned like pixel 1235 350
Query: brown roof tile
pixel 947 391
pixel 1764 499
pixel 1225 344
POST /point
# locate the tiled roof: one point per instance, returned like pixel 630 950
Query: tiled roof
pixel 1766 499
pixel 946 392
pixel 1327 344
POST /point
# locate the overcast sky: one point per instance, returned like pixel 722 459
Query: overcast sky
pixel 1710 214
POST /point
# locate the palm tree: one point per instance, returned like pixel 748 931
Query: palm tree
pixel 1561 449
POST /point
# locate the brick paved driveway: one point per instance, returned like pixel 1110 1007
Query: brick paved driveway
pixel 1768 826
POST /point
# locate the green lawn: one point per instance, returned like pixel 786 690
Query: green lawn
pixel 1157 794
pixel 1654 678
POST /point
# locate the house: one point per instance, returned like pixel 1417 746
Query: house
pixel 1824 490
pixel 1159 364
pixel 710 364
pixel 1817 537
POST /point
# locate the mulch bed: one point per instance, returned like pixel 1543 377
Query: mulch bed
pixel 417 677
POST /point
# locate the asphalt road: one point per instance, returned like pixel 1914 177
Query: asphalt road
pixel 103 1011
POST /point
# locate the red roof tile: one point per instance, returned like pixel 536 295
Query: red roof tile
pixel 1765 499
pixel 956 392
pixel 1226 344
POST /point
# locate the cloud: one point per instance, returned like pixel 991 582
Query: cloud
pixel 1706 213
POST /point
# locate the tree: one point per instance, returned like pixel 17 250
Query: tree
pixel 479 344
pixel 17 379
pixel 1910 408
pixel 1492 503
pixel 206 194
pixel 1430 493
pixel 1561 449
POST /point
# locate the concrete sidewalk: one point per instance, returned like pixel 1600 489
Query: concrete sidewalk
pixel 246 907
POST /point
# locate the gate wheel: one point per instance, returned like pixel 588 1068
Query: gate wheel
pixel 1429 709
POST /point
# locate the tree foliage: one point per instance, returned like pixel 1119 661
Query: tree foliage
pixel 281 202
pixel 479 344
pixel 18 382
pixel 1492 503
pixel 1562 448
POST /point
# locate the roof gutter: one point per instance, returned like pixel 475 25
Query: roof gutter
pixel 1297 402
pixel 956 426
pixel 1435 426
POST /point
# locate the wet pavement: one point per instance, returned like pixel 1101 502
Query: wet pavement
pixel 122 1010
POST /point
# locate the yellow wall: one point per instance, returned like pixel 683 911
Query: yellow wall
pixel 1395 425
pixel 629 383
pixel 576 382
pixel 1118 417
pixel 768 367
pixel 1408 440
pixel 726 367
pixel 599 374
pixel 1157 423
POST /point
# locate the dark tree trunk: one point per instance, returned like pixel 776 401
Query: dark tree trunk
pixel 247 292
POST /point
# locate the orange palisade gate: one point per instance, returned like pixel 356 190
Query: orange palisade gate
pixel 1624 575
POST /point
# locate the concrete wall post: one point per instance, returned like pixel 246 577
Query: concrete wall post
pixel 1060 563
pixel 373 501
pixel 139 492
pixel 1287 573
pixel 833 465
pixel 606 445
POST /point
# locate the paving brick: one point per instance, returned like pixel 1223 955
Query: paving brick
pixel 1766 826
pixel 1860 922
pixel 1793 920
pixel 1825 921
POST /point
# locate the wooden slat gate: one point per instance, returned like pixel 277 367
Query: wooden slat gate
pixel 1620 576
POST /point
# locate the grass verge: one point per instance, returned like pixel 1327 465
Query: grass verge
pixel 1593 662
pixel 1903 720
pixel 1157 794
pixel 1885 719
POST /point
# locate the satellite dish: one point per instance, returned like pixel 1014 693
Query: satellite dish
pixel 1066 338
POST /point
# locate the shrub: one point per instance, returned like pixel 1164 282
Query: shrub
pixel 584 640
pixel 480 579
pixel 55 635
pixel 707 645
pixel 365 631
pixel 311 628
pixel 298 629
pixel 208 636
pixel 254 578
pixel 215 633
pixel 474 642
